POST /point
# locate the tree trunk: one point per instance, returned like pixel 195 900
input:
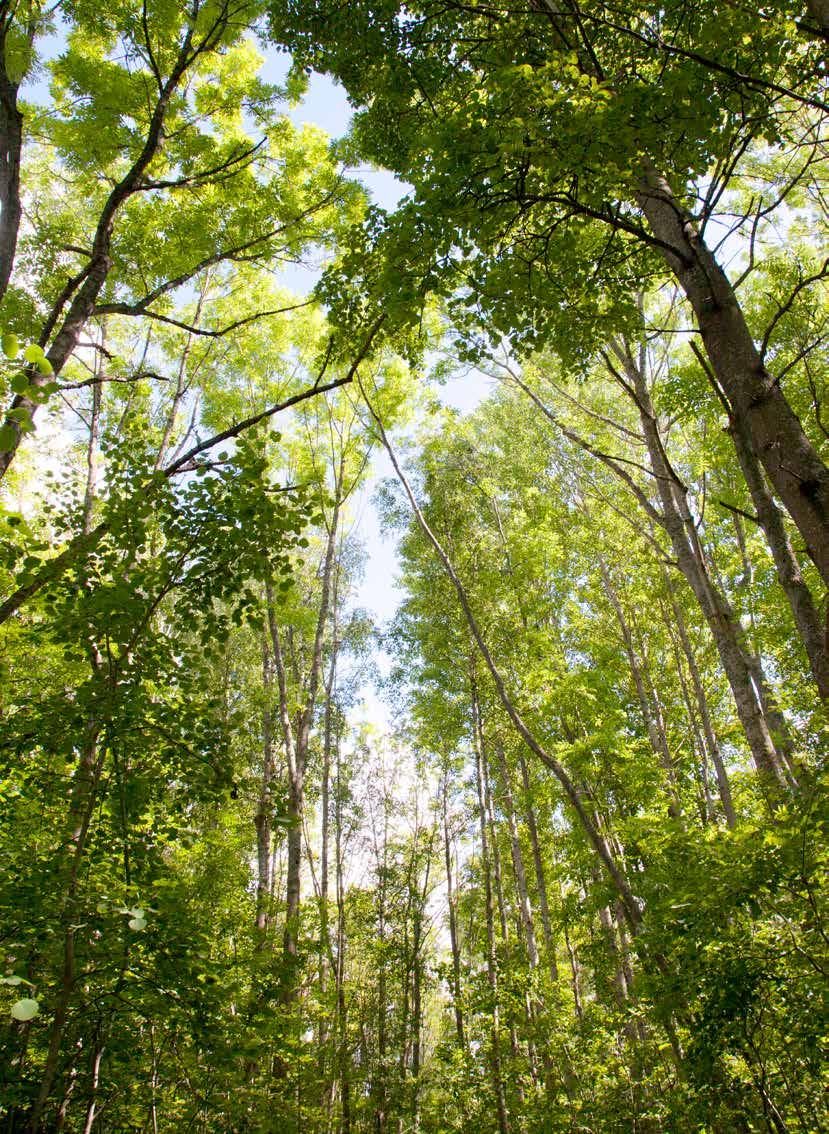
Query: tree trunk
pixel 82 801
pixel 701 766
pixel 571 790
pixel 540 879
pixel 759 408
pixel 650 714
pixel 723 784
pixel 799 597
pixel 343 1060
pixel 11 144
pixel 575 972
pixel 264 808
pixel 453 921
pixel 679 524
pixel 91 486
pixel 296 740
pixel 524 905
pixel 491 962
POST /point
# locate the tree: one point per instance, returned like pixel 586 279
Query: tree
pixel 558 159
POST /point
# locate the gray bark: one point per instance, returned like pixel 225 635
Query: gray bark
pixel 524 905
pixel 453 922
pixel 793 466
pixel 812 633
pixel 491 962
pixel 713 745
pixel 11 144
pixel 540 879
pixel 678 522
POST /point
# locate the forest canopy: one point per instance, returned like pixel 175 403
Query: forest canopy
pixel 545 850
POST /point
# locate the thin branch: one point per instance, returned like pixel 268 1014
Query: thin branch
pixel 133 311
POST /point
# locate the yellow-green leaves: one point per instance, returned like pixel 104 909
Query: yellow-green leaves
pixel 25 1009
pixel 34 354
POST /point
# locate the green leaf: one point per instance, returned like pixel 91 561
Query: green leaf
pixel 25 1009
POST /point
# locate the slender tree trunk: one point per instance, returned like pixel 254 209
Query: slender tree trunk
pixel 620 989
pixel 11 145
pixel 297 739
pixel 264 808
pixel 759 409
pixel 96 1074
pixel 417 991
pixel 494 848
pixel 379 1084
pixel 540 880
pixel 571 789
pixel 722 622
pixel 91 486
pixel 703 773
pixel 325 809
pixel 492 964
pixel 723 784
pixel 497 880
pixel 82 801
pixel 524 905
pixel 343 1059
pixel 575 971
pixel 453 921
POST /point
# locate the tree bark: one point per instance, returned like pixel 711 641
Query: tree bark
pixel 713 744
pixel 453 920
pixel 524 905
pixel 806 618
pixel 540 879
pixel 491 962
pixel 759 408
pixel 725 630
pixel 11 145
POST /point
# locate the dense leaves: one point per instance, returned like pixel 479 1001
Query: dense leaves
pixel 547 851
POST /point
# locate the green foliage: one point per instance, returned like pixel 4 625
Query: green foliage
pixel 228 900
